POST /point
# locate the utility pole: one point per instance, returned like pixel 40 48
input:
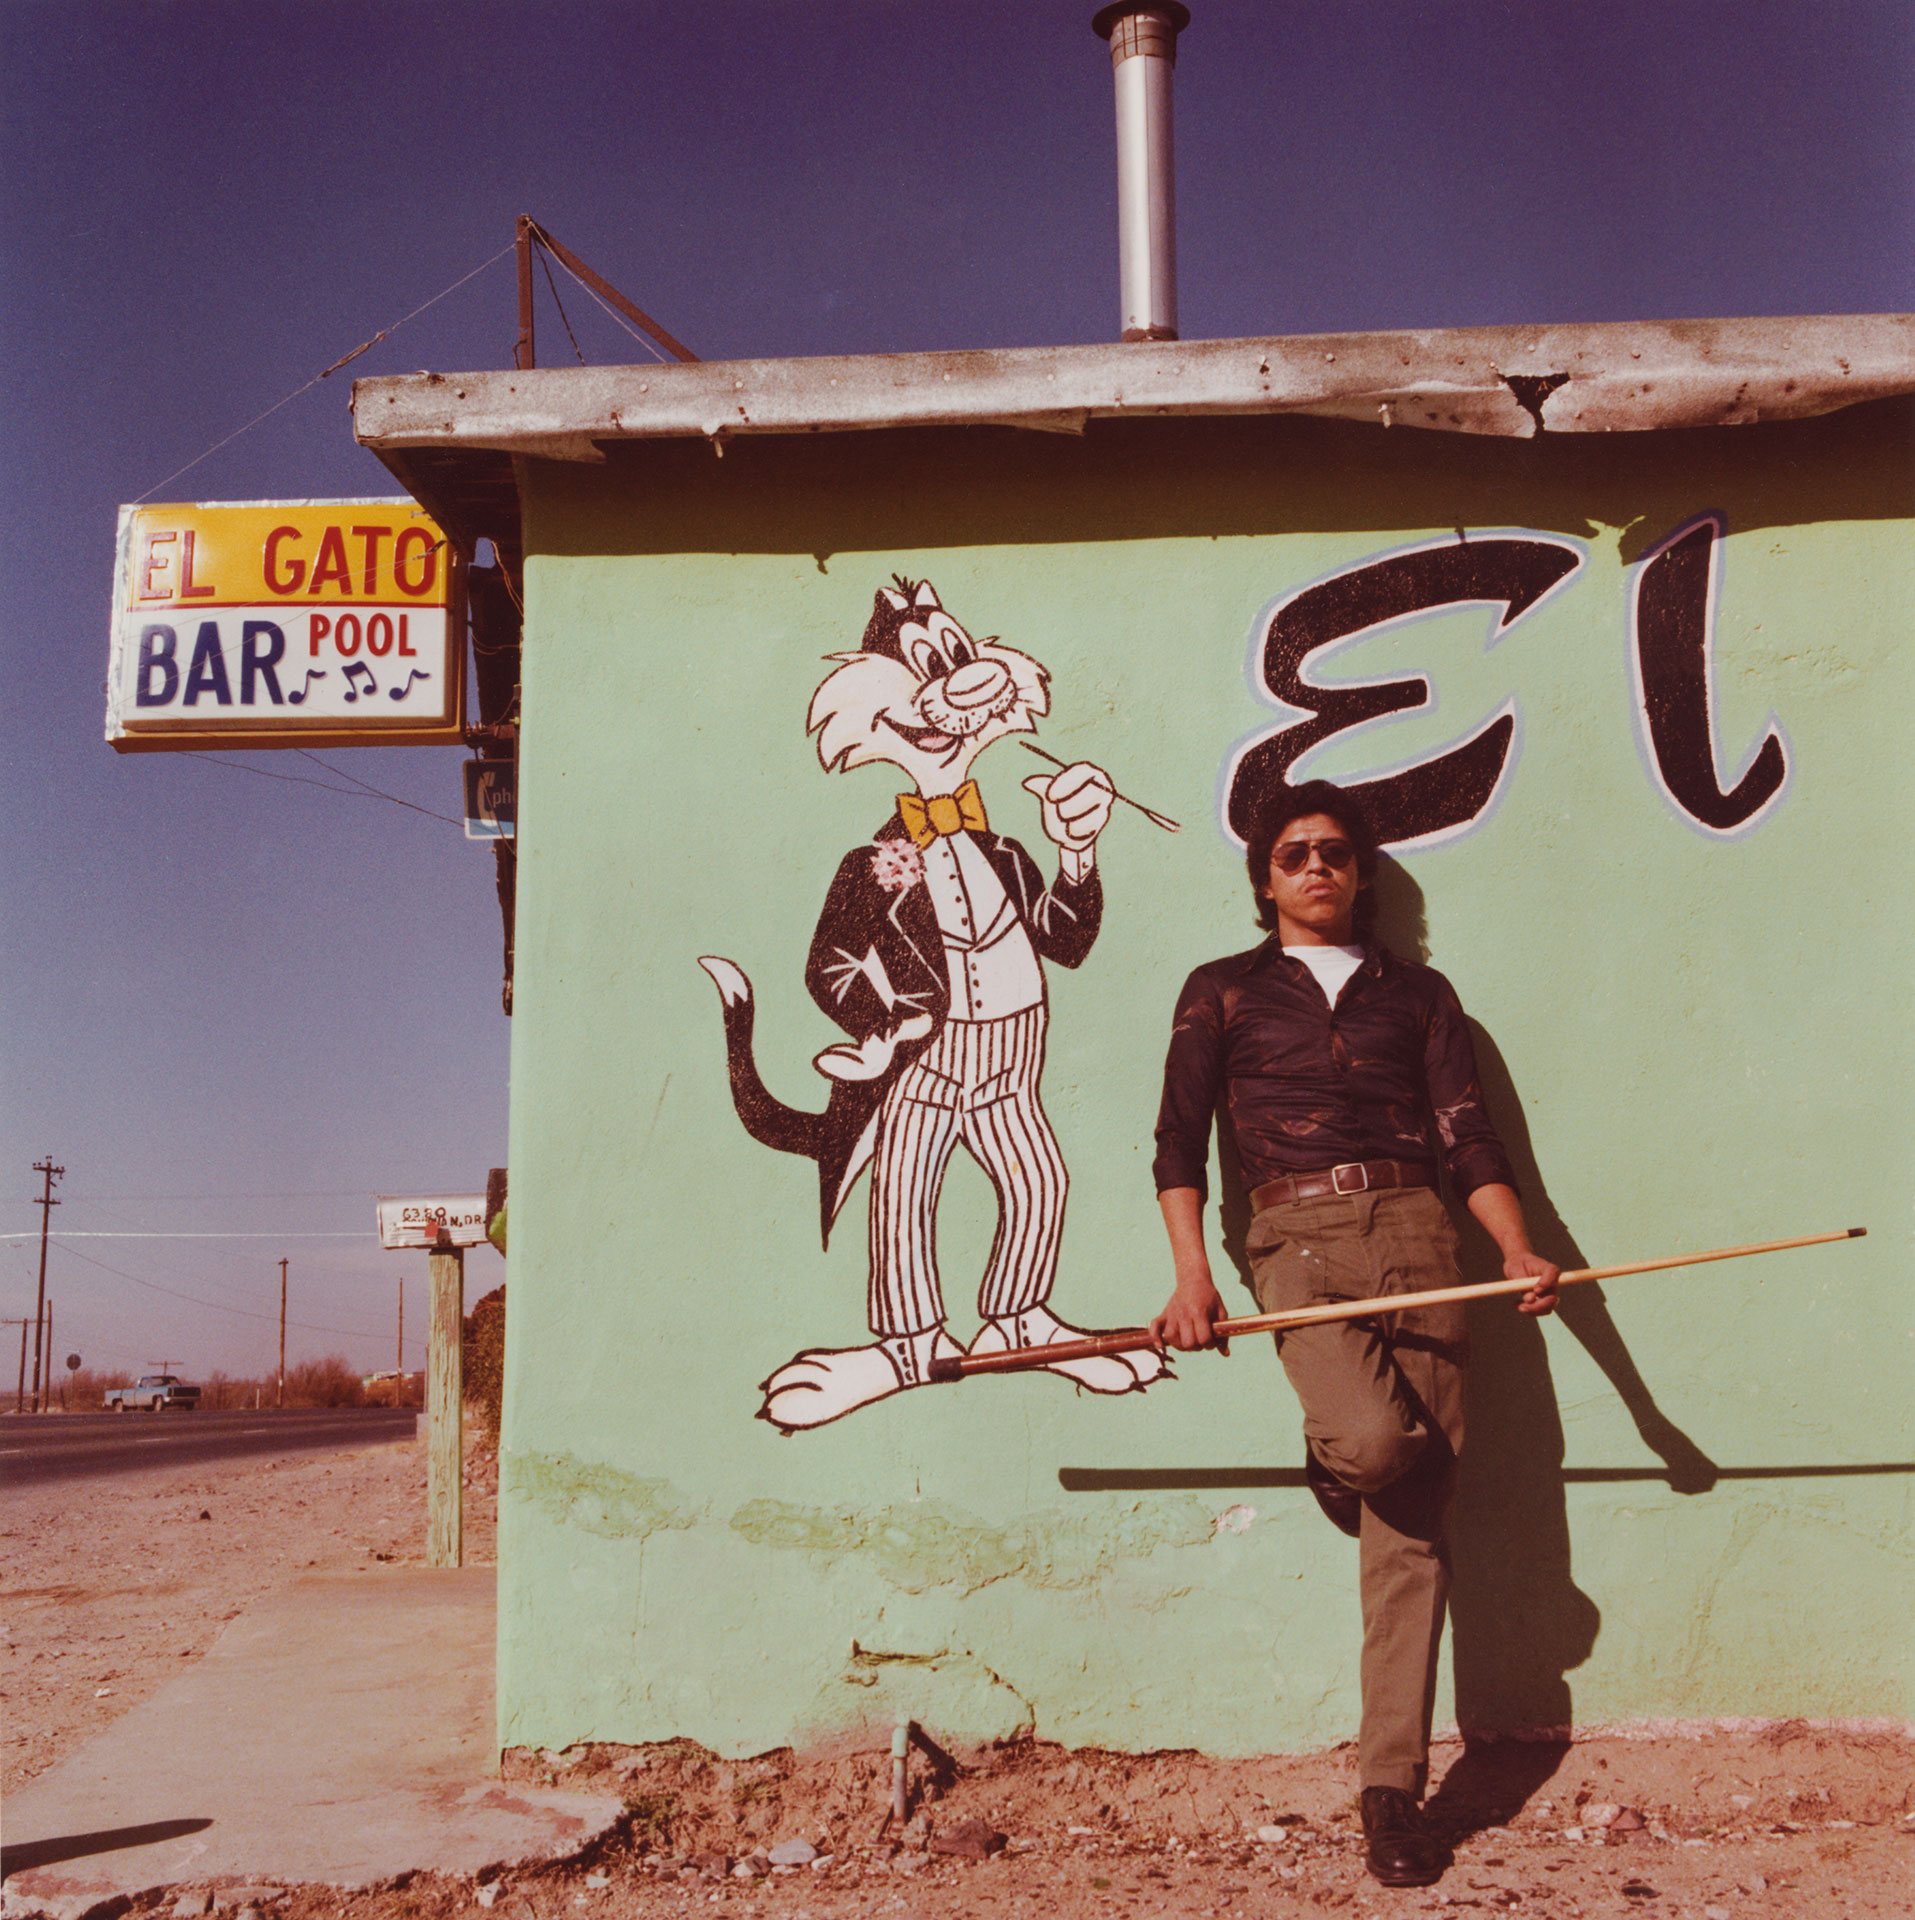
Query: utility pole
pixel 281 1401
pixel 46 1203
pixel 20 1391
pixel 400 1362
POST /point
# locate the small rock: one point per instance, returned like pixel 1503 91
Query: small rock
pixel 1742 1799
pixel 744 1870
pixel 792 1853
pixel 718 1863
pixel 1572 1833
pixel 190 1905
pixel 1756 1883
pixel 204 1515
pixel 489 1893
pixel 824 1863
pixel 1599 1816
pixel 1273 1836
pixel 1627 1820
pixel 248 1913
pixel 598 1882
pixel 1717 1913
pixel 969 1840
pixel 917 1835
pixel 101 1693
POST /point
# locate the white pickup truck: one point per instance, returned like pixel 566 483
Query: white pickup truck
pixel 155 1390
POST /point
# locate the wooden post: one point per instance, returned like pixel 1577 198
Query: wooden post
pixel 445 1408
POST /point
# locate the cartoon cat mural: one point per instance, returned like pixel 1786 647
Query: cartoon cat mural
pixel 929 954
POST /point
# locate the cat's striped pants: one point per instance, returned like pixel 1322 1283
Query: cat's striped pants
pixel 977 1083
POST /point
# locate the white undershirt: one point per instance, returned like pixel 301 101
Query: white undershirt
pixel 1332 966
pixel 993 968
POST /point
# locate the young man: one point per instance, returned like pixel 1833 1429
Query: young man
pixel 1345 1074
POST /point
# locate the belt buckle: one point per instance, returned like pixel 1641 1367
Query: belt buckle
pixel 1349 1166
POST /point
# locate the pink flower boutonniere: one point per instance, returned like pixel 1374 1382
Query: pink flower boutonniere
pixel 896 865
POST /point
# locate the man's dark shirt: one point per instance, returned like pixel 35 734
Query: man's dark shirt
pixel 1306 1088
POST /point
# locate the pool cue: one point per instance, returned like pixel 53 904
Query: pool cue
pixel 1135 1339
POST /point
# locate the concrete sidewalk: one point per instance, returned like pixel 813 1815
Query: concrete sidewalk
pixel 341 1731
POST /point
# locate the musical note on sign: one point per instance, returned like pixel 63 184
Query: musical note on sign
pixel 399 693
pixel 299 699
pixel 372 685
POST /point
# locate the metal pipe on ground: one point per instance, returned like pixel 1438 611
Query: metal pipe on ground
pixel 900 1771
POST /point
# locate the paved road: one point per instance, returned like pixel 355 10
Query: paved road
pixel 75 1446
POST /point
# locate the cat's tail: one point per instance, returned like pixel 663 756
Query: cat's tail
pixel 766 1118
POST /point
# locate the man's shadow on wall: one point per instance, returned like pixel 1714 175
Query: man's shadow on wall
pixel 1519 1623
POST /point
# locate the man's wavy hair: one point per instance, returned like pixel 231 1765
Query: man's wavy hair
pixel 1285 804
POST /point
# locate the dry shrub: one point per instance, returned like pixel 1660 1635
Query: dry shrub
pixel 485 1359
pixel 324 1383
pixel 408 1390
pixel 86 1390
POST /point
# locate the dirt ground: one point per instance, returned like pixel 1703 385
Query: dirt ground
pixel 113 1584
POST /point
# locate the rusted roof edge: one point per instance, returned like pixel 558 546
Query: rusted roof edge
pixel 1614 377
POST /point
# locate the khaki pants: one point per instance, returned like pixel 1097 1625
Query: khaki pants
pixel 1383 1409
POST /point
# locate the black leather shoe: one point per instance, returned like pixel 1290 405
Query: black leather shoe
pixel 1402 1852
pixel 1342 1504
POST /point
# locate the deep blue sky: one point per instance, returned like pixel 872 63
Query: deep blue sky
pixel 240 1005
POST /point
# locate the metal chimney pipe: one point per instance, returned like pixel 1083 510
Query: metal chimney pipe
pixel 1143 50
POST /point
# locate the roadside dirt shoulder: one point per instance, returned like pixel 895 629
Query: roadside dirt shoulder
pixel 108 1586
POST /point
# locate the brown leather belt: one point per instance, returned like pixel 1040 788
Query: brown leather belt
pixel 1354 1176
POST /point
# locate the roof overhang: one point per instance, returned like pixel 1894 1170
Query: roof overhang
pixel 450 437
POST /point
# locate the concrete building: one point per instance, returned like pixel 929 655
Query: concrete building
pixel 1617 621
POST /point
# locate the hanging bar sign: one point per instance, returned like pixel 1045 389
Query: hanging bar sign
pixel 292 623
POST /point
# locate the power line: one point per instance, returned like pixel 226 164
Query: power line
pixel 343 360
pixel 650 346
pixel 329 1233
pixel 371 789
pixel 560 304
pixel 358 792
pixel 310 1193
pixel 219 1306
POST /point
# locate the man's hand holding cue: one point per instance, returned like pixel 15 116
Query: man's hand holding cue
pixel 1190 1315
pixel 1501 1215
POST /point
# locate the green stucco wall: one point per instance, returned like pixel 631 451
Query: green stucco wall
pixel 1690 1041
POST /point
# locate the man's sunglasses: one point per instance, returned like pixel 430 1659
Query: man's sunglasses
pixel 1294 855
